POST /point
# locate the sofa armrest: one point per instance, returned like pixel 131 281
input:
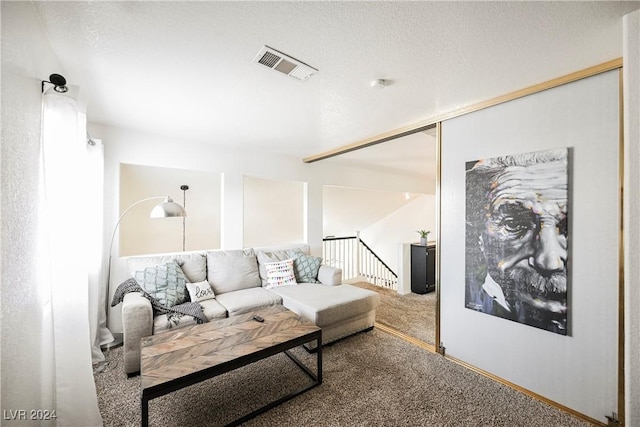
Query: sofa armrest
pixel 328 275
pixel 137 322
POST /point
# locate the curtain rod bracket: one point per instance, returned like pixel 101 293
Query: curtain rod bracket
pixel 59 83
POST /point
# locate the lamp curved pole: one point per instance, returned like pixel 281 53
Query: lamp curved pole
pixel 115 229
pixel 117 341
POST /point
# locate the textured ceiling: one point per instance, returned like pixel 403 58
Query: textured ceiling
pixel 185 69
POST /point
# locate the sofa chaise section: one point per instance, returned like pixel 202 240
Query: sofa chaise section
pixel 339 310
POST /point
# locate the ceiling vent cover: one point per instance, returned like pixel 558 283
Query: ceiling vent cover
pixel 284 64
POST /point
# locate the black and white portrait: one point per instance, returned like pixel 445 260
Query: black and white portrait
pixel 516 238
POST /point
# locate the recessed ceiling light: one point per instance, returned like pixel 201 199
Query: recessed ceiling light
pixel 379 83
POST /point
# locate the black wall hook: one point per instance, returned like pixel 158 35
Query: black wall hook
pixel 59 83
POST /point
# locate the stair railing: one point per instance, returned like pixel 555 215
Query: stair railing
pixel 357 260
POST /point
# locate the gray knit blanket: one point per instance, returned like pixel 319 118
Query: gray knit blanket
pixel 174 313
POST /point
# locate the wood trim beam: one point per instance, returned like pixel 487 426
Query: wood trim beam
pixel 525 391
pixel 387 136
pixel 431 348
pixel 392 331
pixel 438 342
pixel 621 260
pixel 430 123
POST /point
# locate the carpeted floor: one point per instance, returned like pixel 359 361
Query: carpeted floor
pixel 370 379
pixel 411 314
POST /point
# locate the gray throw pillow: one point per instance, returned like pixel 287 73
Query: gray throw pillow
pixel 165 282
pixel 306 268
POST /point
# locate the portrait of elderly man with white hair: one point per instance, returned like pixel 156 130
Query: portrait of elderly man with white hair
pixel 516 238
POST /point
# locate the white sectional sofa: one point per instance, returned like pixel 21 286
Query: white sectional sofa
pixel 239 281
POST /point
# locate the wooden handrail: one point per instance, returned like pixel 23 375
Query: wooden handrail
pixel 367 247
pixel 378 258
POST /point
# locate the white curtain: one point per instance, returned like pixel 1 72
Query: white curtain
pixel 65 257
pixel 94 172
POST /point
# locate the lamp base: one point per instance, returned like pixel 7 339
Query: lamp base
pixel 117 342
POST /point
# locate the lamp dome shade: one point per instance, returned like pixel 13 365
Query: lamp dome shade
pixel 168 209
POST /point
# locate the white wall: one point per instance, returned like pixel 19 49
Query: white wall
pixel 24 359
pixel 139 234
pixel 631 24
pixel 273 212
pixel 578 370
pixel 400 226
pixel 347 210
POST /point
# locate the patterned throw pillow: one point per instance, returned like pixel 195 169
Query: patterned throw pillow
pixel 165 282
pixel 265 257
pixel 280 274
pixel 200 291
pixel 306 268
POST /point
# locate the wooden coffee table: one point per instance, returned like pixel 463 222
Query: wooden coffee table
pixel 179 358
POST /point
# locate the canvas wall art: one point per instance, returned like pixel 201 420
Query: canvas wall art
pixel 516 238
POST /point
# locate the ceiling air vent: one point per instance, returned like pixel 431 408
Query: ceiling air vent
pixel 285 64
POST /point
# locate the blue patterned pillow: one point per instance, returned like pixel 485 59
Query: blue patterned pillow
pixel 164 282
pixel 306 268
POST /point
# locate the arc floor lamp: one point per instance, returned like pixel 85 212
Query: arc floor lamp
pixel 167 209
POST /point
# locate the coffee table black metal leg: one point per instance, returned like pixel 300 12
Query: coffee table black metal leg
pixel 149 394
pixel 319 360
pixel 145 412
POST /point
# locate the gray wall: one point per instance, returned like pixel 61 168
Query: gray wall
pixel 578 370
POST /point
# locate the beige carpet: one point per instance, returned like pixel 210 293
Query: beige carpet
pixel 411 314
pixel 370 379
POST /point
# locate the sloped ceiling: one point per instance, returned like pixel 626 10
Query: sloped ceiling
pixel 185 70
pixel 412 155
pixel 347 210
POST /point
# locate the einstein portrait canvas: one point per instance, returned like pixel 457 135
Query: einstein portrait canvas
pixel 516 238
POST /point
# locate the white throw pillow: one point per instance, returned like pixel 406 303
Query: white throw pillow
pixel 280 274
pixel 200 291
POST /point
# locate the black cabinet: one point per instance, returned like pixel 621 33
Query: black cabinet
pixel 423 268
